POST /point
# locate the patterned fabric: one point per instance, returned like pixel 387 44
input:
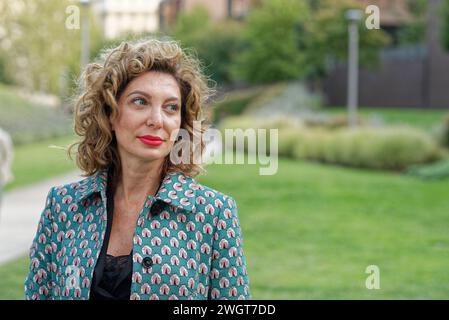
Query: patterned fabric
pixel 187 243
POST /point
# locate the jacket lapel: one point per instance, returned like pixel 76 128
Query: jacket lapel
pixel 176 189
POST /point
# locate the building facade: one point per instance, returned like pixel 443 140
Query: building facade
pixel 125 16
pixel 217 9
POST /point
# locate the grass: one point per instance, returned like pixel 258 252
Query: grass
pixel 421 118
pixel 37 161
pixel 311 230
pixel 12 278
pixel 27 121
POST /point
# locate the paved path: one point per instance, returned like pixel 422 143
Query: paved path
pixel 20 211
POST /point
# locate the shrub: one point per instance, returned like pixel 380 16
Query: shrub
pixel 234 103
pixel 216 44
pixel 393 148
pixel 434 171
pixel 286 130
pixel 287 140
pixel 442 133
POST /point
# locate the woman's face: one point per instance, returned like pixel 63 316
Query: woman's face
pixel 149 111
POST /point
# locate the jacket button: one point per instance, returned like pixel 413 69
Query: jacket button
pixel 157 207
pixel 147 262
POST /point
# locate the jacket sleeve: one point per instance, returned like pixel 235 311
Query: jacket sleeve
pixel 228 276
pixel 38 283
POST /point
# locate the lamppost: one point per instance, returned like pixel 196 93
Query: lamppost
pixel 353 17
pixel 85 33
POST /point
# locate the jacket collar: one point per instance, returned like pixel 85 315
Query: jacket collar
pixel 176 189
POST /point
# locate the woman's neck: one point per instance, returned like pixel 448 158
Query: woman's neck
pixel 136 181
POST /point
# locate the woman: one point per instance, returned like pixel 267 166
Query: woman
pixel 6 156
pixel 138 226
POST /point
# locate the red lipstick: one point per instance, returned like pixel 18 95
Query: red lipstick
pixel 153 141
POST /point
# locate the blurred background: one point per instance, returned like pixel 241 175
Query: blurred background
pixel 363 173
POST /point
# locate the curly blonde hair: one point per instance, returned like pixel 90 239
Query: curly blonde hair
pixel 102 83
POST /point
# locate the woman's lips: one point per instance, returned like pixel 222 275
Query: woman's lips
pixel 151 140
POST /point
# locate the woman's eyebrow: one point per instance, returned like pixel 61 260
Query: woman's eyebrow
pixel 149 95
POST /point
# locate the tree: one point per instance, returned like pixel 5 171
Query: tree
pixel 326 37
pixel 445 24
pixel 289 39
pixel 415 31
pixel 272 52
pixel 215 44
pixel 36 44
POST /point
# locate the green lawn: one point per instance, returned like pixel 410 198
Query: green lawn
pixel 27 121
pixel 311 230
pixel 422 118
pixel 37 161
pixel 12 278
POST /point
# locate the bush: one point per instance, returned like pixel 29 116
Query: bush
pixel 234 103
pixel 216 44
pixel 442 133
pixel 272 37
pixel 286 131
pixel 434 171
pixel 286 143
pixel 392 148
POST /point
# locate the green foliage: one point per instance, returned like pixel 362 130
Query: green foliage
pixel 388 148
pixel 288 138
pixel 272 36
pixel 38 47
pixel 280 40
pixel 442 132
pixel 293 39
pixel 326 37
pixel 384 148
pixel 445 24
pixel 190 27
pixel 4 76
pixel 216 45
pixel 270 93
pixel 433 171
pixel 234 103
pixel 414 31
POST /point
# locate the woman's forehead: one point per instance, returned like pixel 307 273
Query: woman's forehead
pixel 155 83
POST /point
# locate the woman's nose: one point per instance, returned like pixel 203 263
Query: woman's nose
pixel 154 117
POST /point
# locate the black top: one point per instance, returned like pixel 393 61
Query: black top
pixel 112 275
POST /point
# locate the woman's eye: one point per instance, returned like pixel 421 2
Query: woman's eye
pixel 139 101
pixel 173 107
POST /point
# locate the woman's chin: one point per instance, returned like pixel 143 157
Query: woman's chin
pixel 151 155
